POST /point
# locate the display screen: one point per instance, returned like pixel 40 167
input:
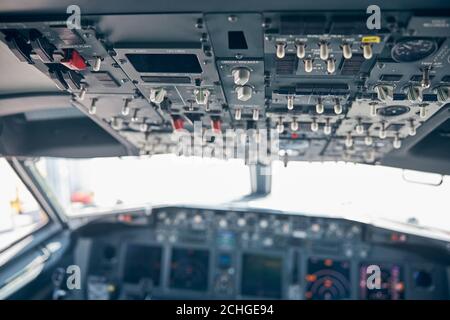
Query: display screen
pixel 390 285
pixel 327 279
pixel 189 269
pixel 165 63
pixel 261 276
pixel 143 262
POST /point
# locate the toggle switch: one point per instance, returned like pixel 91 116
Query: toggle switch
pixel 412 128
pixel 327 127
pixel 308 65
pixel 397 142
pixel 368 140
pixel 301 50
pixel 324 51
pixel 347 51
pixel 348 140
pixel 143 127
pixel 280 126
pixel 442 93
pixel 367 51
pixel 414 94
pixel 157 95
pixel 290 102
pixel 201 96
pixel 359 127
pixel 314 126
pixel 125 108
pixel 255 116
pixel 116 123
pixel 281 50
pixel 134 117
pixel 425 83
pixel 82 93
pixel 373 109
pixel 319 106
pixel 384 92
pixel 337 106
pixel 294 125
pixel 382 133
pixel 423 111
pixel 331 65
pixel 97 64
pixel 238 114
pixel 93 107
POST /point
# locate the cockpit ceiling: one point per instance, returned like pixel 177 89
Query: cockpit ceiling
pixel 331 88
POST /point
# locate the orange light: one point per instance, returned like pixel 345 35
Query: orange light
pixel 328 283
pixel 328 262
pixel 399 286
pixel 311 277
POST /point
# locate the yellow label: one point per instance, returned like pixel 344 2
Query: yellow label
pixel 371 39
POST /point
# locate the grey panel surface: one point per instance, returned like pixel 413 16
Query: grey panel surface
pixel 18 77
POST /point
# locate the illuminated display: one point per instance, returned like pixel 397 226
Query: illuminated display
pixel 327 279
pixel 261 276
pixel 391 285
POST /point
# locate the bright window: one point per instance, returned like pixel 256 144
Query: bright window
pixel 20 214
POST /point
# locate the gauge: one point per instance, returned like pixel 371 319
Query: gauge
pixel 262 276
pixel 413 49
pixel 391 284
pixel 189 269
pixel 327 279
pixel 393 111
pixel 142 262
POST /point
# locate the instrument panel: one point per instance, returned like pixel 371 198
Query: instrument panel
pixel 329 87
pixel 191 253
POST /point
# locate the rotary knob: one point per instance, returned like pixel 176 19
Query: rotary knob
pixel 443 93
pixel 414 94
pixel 241 76
pixel 244 93
pixel 384 92
pixel 157 95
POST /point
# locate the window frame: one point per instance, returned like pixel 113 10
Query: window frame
pixel 55 221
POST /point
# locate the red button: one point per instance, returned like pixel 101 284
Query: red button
pixel 178 123
pixel 217 125
pixel 73 60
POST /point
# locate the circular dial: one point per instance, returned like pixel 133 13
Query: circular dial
pixel 413 49
pixel 327 280
pixel 393 111
pixel 189 269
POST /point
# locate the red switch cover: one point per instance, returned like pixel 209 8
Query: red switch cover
pixel 73 60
